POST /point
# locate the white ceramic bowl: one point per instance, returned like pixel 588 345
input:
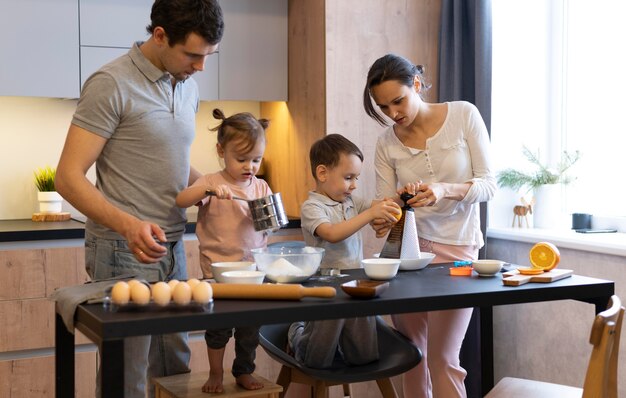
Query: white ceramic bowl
pixel 412 264
pixel 487 267
pixel 254 277
pixel 380 268
pixel 288 264
pixel 219 268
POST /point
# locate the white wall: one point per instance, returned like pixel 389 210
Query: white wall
pixel 32 133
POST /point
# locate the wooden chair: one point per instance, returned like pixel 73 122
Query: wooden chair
pixel 397 355
pixel 601 379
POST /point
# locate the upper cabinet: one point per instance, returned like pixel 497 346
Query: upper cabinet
pixel 39 48
pixel 51 57
pixel 101 41
pixel 253 53
pixel 113 23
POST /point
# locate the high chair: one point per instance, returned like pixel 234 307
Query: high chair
pixel 397 355
pixel 601 378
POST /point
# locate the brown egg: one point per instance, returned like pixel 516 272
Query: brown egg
pixel 133 282
pixel 161 293
pixel 182 293
pixel 140 294
pixel 202 293
pixel 120 294
pixel 192 283
pixel 173 283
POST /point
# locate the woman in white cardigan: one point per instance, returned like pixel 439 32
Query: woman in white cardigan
pixel 440 153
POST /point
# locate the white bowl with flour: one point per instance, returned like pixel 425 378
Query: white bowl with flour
pixel 288 264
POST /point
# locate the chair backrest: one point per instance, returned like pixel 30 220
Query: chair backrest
pixel 601 378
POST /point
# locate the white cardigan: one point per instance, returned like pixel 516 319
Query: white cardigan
pixel 457 153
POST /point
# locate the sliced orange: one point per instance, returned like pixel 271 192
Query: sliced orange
pixel 529 271
pixel 545 256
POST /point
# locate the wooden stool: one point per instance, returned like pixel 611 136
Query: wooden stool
pixel 189 385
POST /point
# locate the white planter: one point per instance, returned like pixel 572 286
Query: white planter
pixel 547 211
pixel 49 202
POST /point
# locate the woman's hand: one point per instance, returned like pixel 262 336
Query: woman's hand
pixel 381 227
pixel 428 195
pixel 424 194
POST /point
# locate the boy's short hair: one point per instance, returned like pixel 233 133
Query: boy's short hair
pixel 327 151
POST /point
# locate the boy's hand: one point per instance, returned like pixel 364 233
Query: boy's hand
pixel 386 210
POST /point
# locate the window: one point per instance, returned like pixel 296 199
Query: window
pixel 559 83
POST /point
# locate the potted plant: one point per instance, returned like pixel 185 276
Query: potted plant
pixel 544 182
pixel 543 175
pixel 49 199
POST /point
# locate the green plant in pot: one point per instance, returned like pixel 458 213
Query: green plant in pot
pixel 543 181
pixel 543 175
pixel 49 199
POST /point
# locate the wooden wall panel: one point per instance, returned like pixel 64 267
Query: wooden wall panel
pixel 407 28
pixel 34 377
pixel 289 142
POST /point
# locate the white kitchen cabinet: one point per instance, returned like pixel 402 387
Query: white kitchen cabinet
pixel 92 58
pixel 39 48
pixel 114 23
pixel 102 41
pixel 253 53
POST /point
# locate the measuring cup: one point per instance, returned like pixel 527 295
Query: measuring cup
pixel 267 212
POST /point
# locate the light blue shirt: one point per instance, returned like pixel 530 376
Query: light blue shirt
pixel 319 209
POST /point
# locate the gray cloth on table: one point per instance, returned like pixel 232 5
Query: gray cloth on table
pixel 68 298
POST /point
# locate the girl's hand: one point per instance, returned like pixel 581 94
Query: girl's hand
pixel 221 191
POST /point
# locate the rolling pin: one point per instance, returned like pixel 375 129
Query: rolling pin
pixel 269 291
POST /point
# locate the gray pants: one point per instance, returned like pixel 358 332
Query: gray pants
pixel 145 357
pixel 318 344
pixel 246 342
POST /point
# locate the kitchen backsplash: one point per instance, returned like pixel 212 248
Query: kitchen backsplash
pixel 32 134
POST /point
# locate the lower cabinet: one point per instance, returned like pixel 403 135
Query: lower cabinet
pixel 27 321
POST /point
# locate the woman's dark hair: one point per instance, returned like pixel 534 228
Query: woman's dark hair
pixel 239 127
pixel 390 67
pixel 179 18
pixel 327 151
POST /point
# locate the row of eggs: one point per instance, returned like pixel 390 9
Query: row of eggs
pixel 181 292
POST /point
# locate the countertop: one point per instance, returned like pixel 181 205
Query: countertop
pixel 27 230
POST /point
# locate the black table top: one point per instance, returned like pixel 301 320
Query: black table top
pixel 410 291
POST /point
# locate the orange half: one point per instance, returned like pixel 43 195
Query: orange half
pixel 545 256
pixel 530 271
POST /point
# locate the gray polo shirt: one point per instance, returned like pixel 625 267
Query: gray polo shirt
pixel 319 209
pixel 149 127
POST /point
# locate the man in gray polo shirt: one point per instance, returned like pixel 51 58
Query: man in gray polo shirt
pixel 135 120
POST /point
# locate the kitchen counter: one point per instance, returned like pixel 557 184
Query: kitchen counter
pixel 27 230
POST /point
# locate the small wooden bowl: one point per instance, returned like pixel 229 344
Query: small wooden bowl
pixel 364 288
